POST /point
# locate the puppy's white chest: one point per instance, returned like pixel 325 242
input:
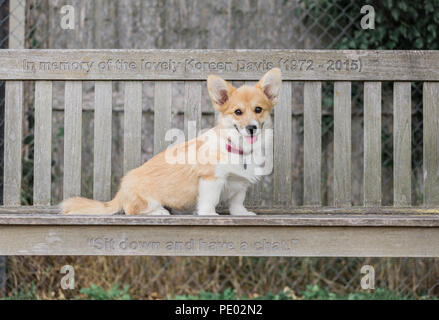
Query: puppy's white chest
pixel 246 168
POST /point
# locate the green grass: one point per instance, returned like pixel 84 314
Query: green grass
pixel 313 292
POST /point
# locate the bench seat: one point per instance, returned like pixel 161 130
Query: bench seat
pixel 353 231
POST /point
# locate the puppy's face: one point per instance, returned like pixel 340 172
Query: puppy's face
pixel 246 109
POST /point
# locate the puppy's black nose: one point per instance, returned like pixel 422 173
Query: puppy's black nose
pixel 251 129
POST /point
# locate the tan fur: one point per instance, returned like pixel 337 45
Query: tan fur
pixel 158 182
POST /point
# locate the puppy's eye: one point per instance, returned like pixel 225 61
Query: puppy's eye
pixel 258 110
pixel 238 112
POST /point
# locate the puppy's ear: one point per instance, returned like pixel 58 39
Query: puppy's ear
pixel 219 91
pixel 270 84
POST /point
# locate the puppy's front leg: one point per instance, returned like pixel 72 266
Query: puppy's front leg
pixel 209 192
pixel 236 206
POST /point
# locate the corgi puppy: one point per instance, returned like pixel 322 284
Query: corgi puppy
pixel 207 174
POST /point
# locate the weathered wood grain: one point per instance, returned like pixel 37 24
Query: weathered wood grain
pixel 72 139
pixel 170 64
pixel 192 109
pixel 254 195
pixel 372 143
pixel 402 144
pixel 102 141
pixel 43 143
pixel 312 143
pixel 132 131
pixel 355 241
pixel 431 143
pixel 342 144
pixel 267 213
pixel 282 147
pixel 162 114
pixel 13 142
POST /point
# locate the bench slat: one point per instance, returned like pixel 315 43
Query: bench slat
pixel 43 143
pixel 72 139
pixel 342 144
pixel 357 239
pixel 402 144
pixel 312 142
pixel 253 197
pixel 169 64
pixel 102 141
pixel 13 142
pixel 372 144
pixel 192 108
pixel 132 130
pixel 431 143
pixel 282 147
pixel 162 114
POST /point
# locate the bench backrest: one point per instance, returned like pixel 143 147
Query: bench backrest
pixel 193 66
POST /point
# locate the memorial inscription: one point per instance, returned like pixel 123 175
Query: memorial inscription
pixel 192 245
pixel 286 64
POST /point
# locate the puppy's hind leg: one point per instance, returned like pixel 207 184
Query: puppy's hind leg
pixel 155 209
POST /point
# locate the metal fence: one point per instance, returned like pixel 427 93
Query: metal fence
pixel 211 24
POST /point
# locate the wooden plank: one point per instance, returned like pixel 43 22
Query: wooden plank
pixel 102 141
pixel 192 109
pixel 342 144
pixel 265 213
pixel 43 143
pixel 254 193
pixel 132 134
pixel 431 143
pixel 162 114
pixel 282 146
pixel 170 64
pixel 372 143
pixel 334 219
pixel 219 241
pixel 312 143
pixel 402 144
pixel 72 138
pixel 13 142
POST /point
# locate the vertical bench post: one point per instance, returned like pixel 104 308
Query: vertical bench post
pixel 43 142
pixel 372 144
pixel 162 114
pixel 132 129
pixel 282 147
pixel 402 144
pixel 13 112
pixel 431 143
pixel 72 138
pixel 102 141
pixel 312 143
pixel 342 144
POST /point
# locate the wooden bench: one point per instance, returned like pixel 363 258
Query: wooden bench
pixel 282 230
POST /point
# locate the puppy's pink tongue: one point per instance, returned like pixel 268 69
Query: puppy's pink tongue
pixel 251 139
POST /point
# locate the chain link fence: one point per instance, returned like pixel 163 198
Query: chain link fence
pixel 250 24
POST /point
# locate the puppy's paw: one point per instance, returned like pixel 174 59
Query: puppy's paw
pixel 207 213
pixel 242 212
pixel 161 212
